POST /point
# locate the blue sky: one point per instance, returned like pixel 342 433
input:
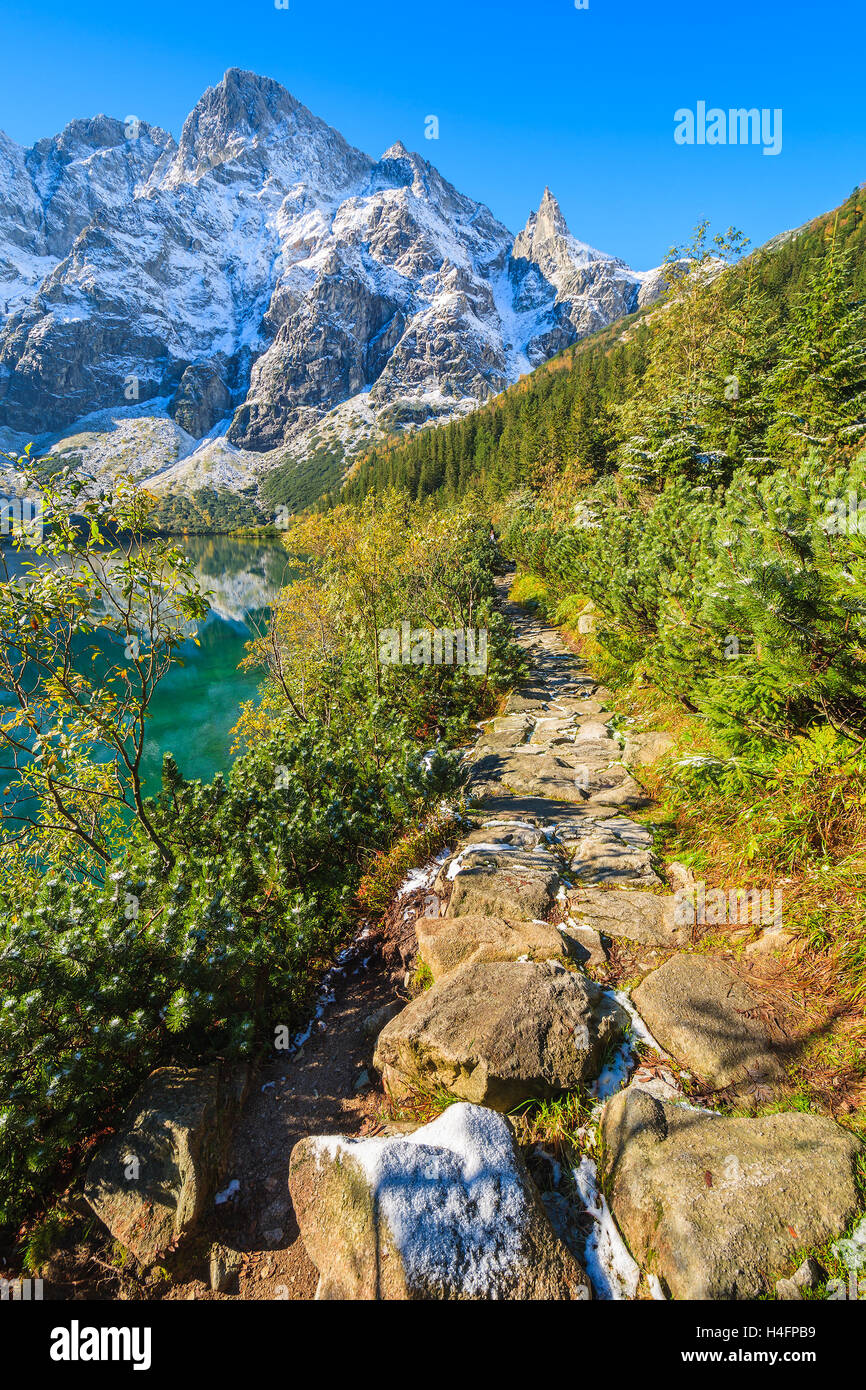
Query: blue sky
pixel 526 94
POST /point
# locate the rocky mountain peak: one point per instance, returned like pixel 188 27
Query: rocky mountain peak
pixel 549 220
pixel 590 288
pixel 252 126
pixel 226 120
pixel 268 287
pixel 547 241
pixel 396 151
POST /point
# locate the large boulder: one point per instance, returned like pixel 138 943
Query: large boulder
pixel 445 943
pixel 718 1207
pixel 448 1212
pixel 710 1020
pixel 501 1032
pixel 151 1183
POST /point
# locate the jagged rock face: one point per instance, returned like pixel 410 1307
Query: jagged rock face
pixel 182 272
pixel 388 298
pixel 50 193
pixel 337 288
pixel 203 398
pixel 591 288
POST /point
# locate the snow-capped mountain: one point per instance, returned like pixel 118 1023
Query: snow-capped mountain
pixel 50 193
pixel 592 287
pixel 205 309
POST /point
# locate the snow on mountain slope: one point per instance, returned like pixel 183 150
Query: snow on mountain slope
pixel 51 192
pixel 262 286
pixel 592 287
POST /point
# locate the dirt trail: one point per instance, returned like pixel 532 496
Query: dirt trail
pixel 313 1092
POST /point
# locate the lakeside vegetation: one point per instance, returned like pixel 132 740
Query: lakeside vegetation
pixel 192 925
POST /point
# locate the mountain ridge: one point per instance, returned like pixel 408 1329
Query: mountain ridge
pixel 198 310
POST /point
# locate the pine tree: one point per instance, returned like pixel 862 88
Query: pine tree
pixel 818 389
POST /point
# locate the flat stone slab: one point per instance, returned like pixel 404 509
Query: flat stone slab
pixel 519 836
pixel 500 854
pixel 498 1033
pixel 570 831
pixel 445 943
pixel 616 791
pixel 543 810
pixel 701 1012
pixel 633 834
pixel 446 1212
pixel 585 946
pixel 642 750
pixel 592 730
pixel 553 730
pixel 506 732
pixel 582 777
pixel 718 1208
pixel 597 751
pixel 510 724
pixel 502 889
pixel 582 706
pixel 531 700
pixel 496 743
pixel 604 857
pixel 647 918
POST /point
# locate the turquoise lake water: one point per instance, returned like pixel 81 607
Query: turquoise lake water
pixel 196 706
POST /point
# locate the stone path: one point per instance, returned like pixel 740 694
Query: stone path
pixel 552 877
pixel 549 899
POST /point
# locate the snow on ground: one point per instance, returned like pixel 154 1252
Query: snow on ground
pixel 424 876
pixel 326 995
pixel 492 848
pixel 614 1274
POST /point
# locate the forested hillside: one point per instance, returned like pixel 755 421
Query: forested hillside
pixel 697 389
